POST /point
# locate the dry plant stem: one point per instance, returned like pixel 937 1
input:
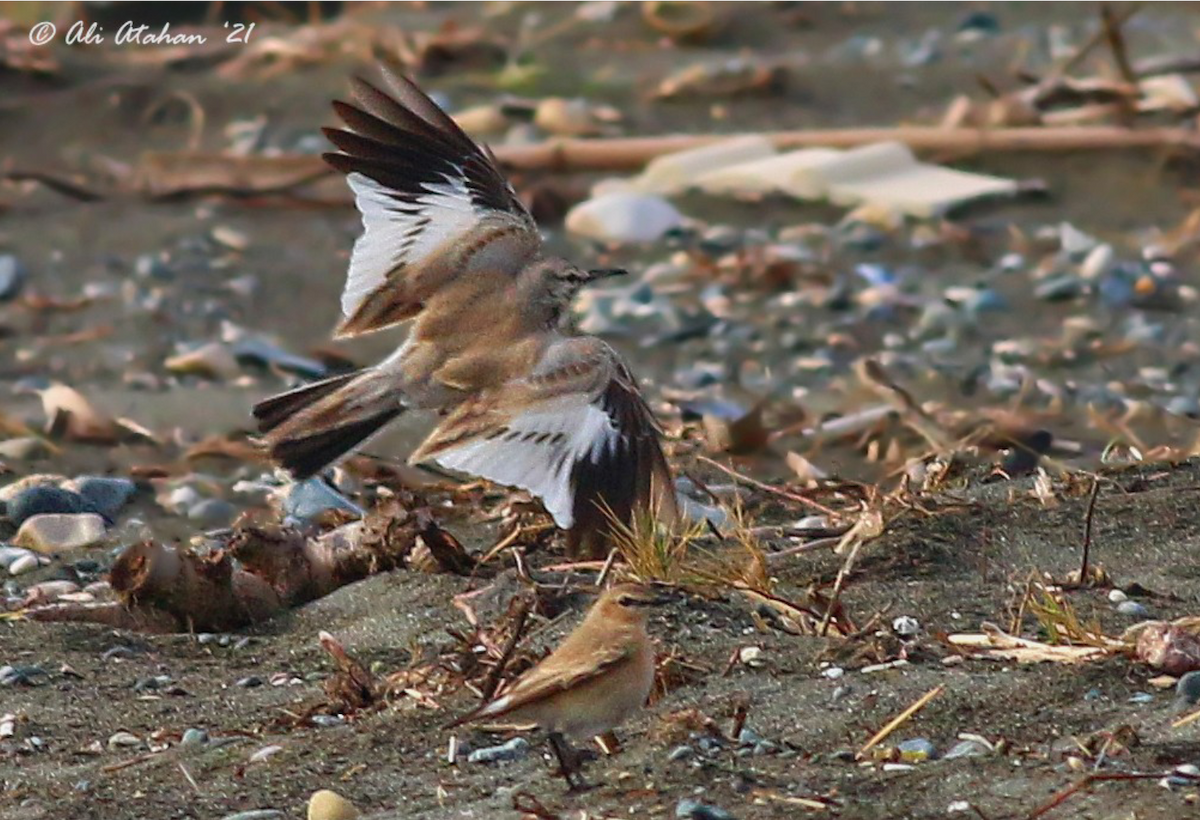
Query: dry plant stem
pixel 492 682
pixel 1087 530
pixel 1062 796
pixel 778 491
pixel 808 546
pixel 1191 717
pixel 899 720
pixel 839 582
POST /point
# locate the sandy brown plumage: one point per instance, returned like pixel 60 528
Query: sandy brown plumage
pixel 447 246
pixel 597 677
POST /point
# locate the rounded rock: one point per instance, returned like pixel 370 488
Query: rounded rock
pixel 52 533
pixel 12 276
pixel 1187 689
pixel 212 513
pixel 44 501
pixel 695 810
pixel 1132 609
pixel 105 495
pixel 329 805
pixel 23 564
pixel 194 737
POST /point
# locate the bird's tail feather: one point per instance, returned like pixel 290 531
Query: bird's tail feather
pixel 314 425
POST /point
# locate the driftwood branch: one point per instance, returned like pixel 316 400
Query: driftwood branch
pixel 166 175
pixel 630 153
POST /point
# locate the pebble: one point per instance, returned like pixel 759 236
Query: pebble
pixel 105 495
pixel 1116 596
pixel 751 656
pixel 59 533
pixel 265 753
pixel 695 810
pixel 22 675
pixel 681 753
pixel 212 361
pixel 307 499
pixel 906 626
pixel 1059 288
pixel 259 350
pixel 193 737
pixel 10 554
pixel 329 805
pixel 256 814
pixel 916 750
pixel 1133 609
pixel 623 217
pixel 124 740
pixel 8 725
pixel 250 682
pixel 44 501
pixel 966 748
pixel 1187 689
pixel 514 749
pixel 212 513
pixel 23 448
pixel 12 276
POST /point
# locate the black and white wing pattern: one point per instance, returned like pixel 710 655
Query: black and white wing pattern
pixel 434 205
pixel 577 434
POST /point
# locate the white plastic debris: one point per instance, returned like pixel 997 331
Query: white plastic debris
pixel 769 174
pixel 676 172
pixel 623 217
pixel 887 174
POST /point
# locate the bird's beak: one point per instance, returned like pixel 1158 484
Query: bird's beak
pixel 604 273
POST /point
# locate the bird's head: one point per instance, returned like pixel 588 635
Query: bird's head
pixel 631 602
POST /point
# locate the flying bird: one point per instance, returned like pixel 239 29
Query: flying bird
pixel 599 676
pixel 448 248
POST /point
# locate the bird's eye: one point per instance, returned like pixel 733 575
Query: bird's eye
pixel 626 600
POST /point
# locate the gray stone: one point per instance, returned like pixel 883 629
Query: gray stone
pixel 309 498
pixel 1133 609
pixel 256 814
pixel 695 810
pixel 12 276
pixel 194 737
pixel 212 513
pixel 106 495
pixel 681 753
pixel 1187 689
pixel 43 500
pixel 967 748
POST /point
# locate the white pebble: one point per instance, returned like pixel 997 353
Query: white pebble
pixel 23 564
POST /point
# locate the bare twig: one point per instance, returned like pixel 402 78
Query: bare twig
pixel 899 719
pixel 492 681
pixel 779 491
pixel 1058 799
pixel 1087 530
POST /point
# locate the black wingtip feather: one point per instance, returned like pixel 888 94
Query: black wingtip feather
pixel 273 411
pixel 306 456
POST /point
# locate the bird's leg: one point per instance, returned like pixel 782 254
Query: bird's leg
pixel 568 761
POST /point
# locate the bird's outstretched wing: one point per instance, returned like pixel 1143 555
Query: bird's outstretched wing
pixel 434 205
pixel 576 433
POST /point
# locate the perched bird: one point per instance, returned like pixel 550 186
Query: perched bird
pixel 447 245
pixel 600 675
